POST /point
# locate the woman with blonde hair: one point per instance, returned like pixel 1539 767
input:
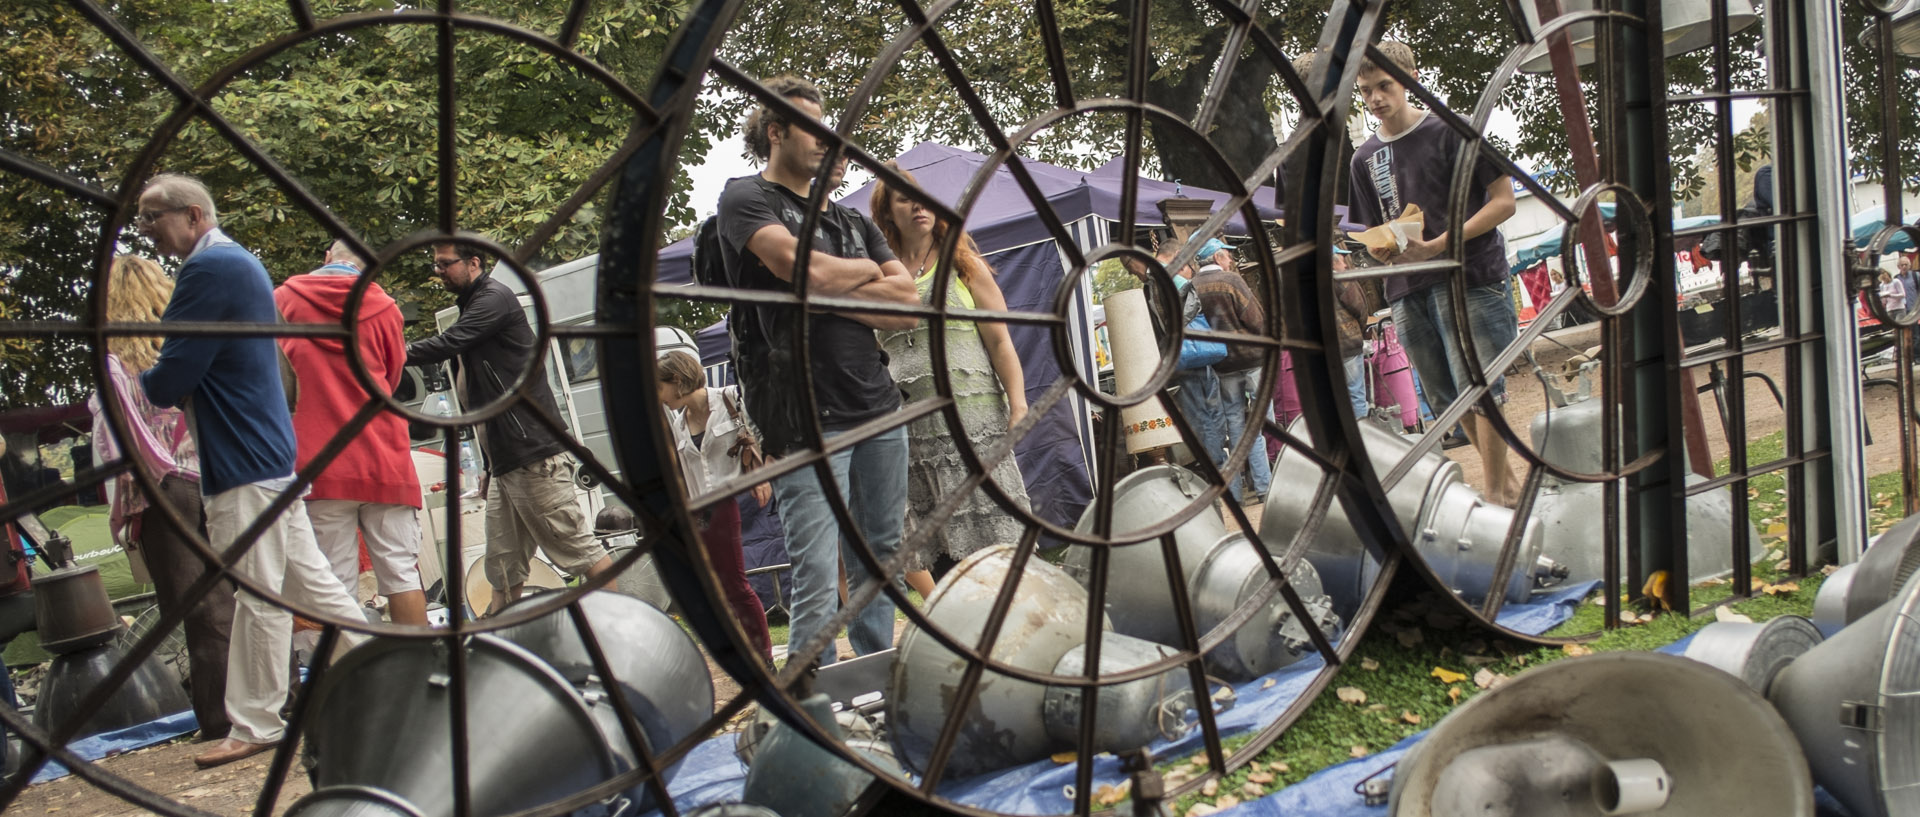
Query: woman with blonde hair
pixel 989 388
pixel 716 444
pixel 137 292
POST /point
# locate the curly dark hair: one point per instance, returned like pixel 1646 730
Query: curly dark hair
pixel 788 86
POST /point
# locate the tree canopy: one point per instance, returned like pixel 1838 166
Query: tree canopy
pixel 352 115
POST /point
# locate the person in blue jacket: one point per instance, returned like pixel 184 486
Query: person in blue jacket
pixel 236 404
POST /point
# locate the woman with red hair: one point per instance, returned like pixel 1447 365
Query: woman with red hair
pixel 989 388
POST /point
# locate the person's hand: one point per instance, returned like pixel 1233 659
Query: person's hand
pixel 1383 254
pixel 762 493
pixel 1420 250
pixel 1015 414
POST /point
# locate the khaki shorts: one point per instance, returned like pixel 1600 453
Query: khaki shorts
pixel 535 507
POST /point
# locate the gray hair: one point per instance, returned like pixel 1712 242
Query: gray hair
pixel 182 190
pixel 342 253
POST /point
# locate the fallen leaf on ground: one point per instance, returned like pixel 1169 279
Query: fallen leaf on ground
pixel 1409 638
pixel 1631 617
pixel 1257 766
pixel 1655 589
pixel 1783 587
pixel 1727 614
pixel 1210 788
pixel 1252 790
pixel 1358 751
pixel 1203 810
pixel 1268 684
pixel 1576 650
pixel 1447 676
pixel 1828 570
pixel 1227 801
pixel 1260 777
pixel 1453 693
pixel 1279 768
pixel 1369 664
pixel 1488 679
pixel 1408 716
pixel 1068 756
pixel 1109 795
pixel 1351 695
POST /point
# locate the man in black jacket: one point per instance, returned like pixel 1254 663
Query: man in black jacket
pixel 530 499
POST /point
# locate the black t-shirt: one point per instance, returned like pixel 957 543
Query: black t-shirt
pixel 1416 167
pixel 850 377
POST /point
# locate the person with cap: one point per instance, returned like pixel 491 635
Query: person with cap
pixel 1232 307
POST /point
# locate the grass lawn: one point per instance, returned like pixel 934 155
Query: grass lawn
pixel 1394 667
pixel 1394 671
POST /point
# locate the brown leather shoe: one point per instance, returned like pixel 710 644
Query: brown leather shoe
pixel 228 750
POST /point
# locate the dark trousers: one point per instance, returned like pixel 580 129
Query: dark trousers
pixel 16 617
pixel 722 539
pixel 175 567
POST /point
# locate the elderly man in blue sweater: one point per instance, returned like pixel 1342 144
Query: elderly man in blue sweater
pixel 237 408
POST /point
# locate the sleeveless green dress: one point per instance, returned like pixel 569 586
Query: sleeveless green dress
pixel 934 467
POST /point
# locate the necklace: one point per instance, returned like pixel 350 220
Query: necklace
pixel 927 257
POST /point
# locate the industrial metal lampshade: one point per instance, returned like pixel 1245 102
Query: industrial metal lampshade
pixel 1221 571
pixel 1688 23
pixel 1906 29
pixel 1618 733
pixel 1860 588
pixel 1854 702
pixel 1011 721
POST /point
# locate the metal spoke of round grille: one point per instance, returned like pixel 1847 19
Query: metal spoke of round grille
pixel 1074 581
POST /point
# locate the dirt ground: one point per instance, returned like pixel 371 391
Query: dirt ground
pixel 168 769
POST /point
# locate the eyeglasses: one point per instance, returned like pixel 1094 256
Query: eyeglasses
pixel 441 266
pixel 146 218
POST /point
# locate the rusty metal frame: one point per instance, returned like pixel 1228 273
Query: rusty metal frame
pixel 1640 464
pixel 194 104
pixel 1891 63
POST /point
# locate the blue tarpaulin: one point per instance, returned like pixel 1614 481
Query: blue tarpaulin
pixel 118 741
pixel 712 774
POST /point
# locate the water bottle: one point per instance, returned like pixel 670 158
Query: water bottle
pixel 441 406
pixel 469 469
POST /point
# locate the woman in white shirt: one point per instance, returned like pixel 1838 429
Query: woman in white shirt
pixel 1893 294
pixel 711 433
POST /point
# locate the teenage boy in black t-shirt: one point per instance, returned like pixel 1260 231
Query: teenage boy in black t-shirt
pixel 1410 159
pixel 759 219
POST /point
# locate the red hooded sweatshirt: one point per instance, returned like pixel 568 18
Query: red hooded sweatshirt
pixel 378 465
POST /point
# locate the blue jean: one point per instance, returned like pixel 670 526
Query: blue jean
pixel 1432 340
pixel 1199 400
pixel 1356 367
pixel 872 476
pixel 1237 392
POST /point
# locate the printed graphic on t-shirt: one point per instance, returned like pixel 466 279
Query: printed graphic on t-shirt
pixel 1380 164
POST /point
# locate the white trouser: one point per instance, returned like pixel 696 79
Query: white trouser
pixel 284 559
pixel 392 533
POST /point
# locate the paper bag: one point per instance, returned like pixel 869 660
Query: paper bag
pixel 1394 234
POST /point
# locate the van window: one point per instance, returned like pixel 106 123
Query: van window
pixel 582 360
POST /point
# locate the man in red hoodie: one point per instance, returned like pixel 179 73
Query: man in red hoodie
pixel 370 489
